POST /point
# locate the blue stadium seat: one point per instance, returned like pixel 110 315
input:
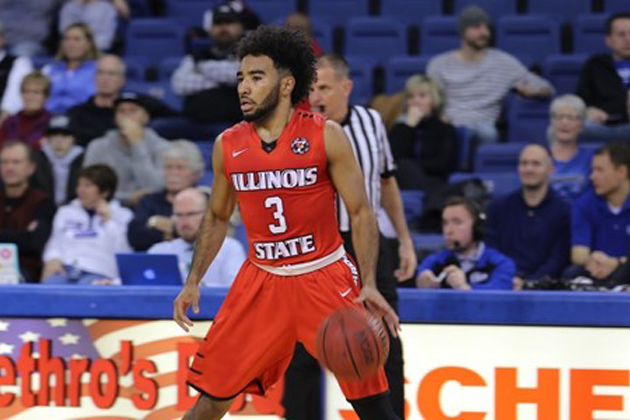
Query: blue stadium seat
pixel 428 242
pixel 182 127
pixel 401 68
pixel 498 183
pixel 362 75
pixel 413 201
pixel 270 10
pixel 410 12
pixel 589 32
pixel 139 8
pixel 494 8
pixel 563 71
pixel 154 39
pixel 168 66
pixel 377 37
pixel 439 34
pixel 160 90
pixel 135 68
pixel 614 6
pixel 337 12
pixel 536 36
pixel 187 13
pixel 528 120
pixel 565 11
pixel 39 61
pixel 497 157
pixel 465 147
pixel 323 33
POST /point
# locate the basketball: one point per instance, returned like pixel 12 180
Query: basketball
pixel 352 344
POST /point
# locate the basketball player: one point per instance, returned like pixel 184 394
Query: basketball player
pixel 284 166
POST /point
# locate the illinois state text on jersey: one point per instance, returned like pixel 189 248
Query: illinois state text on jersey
pixel 286 196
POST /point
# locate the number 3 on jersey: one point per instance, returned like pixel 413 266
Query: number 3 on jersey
pixel 281 225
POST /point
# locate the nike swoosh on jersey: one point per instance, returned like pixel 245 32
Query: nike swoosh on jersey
pixel 238 152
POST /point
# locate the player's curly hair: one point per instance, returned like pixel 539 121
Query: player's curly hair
pixel 289 49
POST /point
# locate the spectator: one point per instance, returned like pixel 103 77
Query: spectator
pixel 72 74
pixel 95 117
pixel 59 162
pixel 424 146
pixel 12 71
pixel 88 232
pixel 189 206
pixel 477 78
pixel 572 163
pixel 300 22
pixel 207 80
pixel 26 213
pixel 605 79
pixel 133 150
pixel 531 225
pixel 247 15
pixel 600 219
pixel 29 124
pixel 467 263
pixel 27 25
pixel 152 222
pixel 100 15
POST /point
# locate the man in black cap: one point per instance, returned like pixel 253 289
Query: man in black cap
pixel 476 78
pixel 207 79
pixel 58 161
pixel 132 149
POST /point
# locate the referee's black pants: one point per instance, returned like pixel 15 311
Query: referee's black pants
pixel 302 398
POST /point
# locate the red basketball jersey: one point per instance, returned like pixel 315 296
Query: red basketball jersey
pixel 286 197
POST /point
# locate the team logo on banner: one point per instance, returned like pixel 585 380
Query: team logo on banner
pixel 300 145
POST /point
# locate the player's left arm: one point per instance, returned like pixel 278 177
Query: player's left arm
pixel 393 205
pixel 348 180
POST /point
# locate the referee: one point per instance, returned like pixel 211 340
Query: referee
pixel 397 258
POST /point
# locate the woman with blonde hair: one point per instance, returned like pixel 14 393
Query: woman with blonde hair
pixel 73 72
pixel 423 144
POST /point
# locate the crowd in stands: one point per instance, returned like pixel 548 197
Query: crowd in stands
pixel 93 160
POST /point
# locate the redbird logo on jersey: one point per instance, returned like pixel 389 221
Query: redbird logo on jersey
pixel 300 145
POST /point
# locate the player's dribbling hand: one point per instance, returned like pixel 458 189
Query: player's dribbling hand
pixel 377 304
pixel 187 297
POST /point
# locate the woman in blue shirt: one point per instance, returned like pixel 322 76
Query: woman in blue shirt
pixel 73 72
pixel 572 163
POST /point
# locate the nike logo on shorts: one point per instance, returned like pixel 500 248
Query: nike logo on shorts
pixel 344 294
pixel 238 152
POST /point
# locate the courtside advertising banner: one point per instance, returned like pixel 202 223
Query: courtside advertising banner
pixel 468 372
pixel 61 369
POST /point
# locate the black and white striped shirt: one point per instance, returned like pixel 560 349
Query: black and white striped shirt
pixel 368 137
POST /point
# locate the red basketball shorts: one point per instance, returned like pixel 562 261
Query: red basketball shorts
pixel 251 343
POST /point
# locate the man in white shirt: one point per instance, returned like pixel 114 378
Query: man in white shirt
pixel 12 71
pixel 189 207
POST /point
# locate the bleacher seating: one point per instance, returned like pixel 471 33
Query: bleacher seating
pixel 401 68
pixel 378 38
pixel 337 12
pixel 323 33
pixel 589 32
pixel 188 13
pixel 615 6
pixel 410 12
pixel 537 36
pixel 528 120
pixel 158 89
pixel 168 66
pixel 497 157
pixel 465 147
pixel 413 201
pixel 565 11
pixel 136 68
pixel 154 38
pixel 497 183
pixel 563 71
pixel 494 8
pixel 362 75
pixel 438 34
pixel 271 10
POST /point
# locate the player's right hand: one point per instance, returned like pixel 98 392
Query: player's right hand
pixel 187 297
